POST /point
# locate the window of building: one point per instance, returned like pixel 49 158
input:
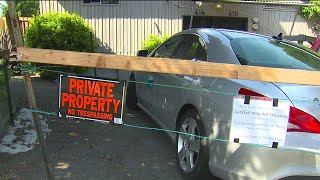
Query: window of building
pixel 101 1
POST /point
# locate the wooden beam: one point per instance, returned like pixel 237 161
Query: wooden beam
pixel 14 27
pixel 16 37
pixel 36 120
pixel 160 65
pixel 10 32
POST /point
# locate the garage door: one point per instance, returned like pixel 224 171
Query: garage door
pixel 235 23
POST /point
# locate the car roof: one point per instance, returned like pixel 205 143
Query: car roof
pixel 232 34
pixel 218 45
pixel 227 32
pixel 238 34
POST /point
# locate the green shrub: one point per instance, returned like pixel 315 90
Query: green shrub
pixel 312 13
pixel 153 41
pixel 60 31
pixel 25 8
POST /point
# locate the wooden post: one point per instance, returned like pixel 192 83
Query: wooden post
pixel 10 32
pixel 16 38
pixel 36 120
pixel 15 26
pixel 294 21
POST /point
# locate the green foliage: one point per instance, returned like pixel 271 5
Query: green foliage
pixel 60 31
pixel 153 41
pixel 1 77
pixel 2 81
pixel 4 9
pixel 25 8
pixel 312 13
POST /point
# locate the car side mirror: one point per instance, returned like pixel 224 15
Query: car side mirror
pixel 143 53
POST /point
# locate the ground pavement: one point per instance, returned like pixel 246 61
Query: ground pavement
pixel 87 150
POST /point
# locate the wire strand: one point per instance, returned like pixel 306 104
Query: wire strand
pixel 192 135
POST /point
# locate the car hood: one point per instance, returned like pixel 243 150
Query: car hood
pixel 303 97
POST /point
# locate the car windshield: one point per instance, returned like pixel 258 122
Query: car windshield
pixel 272 53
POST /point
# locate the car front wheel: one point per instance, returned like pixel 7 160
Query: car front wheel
pixel 192 151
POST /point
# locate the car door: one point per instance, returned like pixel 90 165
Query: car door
pixel 168 97
pixel 146 90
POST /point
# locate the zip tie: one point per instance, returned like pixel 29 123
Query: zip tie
pixel 19 57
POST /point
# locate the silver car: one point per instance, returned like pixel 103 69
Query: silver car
pixel 203 106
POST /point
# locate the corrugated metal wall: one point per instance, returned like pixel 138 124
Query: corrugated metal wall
pixel 124 26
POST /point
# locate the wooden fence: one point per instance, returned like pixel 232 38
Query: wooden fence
pixel 5 40
pixel 24 23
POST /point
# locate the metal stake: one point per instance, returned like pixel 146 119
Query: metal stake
pixel 5 58
pixel 95 69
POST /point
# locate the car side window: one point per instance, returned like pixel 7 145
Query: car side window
pixel 166 49
pixel 192 47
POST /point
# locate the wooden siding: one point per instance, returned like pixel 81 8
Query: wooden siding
pixel 123 27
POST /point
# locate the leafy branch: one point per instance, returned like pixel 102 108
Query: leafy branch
pixel 312 13
pixel 25 8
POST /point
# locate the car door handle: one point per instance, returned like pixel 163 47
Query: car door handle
pixel 179 76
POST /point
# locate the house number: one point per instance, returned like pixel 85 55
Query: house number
pixel 233 13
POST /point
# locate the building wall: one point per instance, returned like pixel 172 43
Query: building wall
pixel 123 27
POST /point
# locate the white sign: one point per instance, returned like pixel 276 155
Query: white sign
pixel 259 122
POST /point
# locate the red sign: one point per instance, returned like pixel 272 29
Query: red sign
pixel 90 98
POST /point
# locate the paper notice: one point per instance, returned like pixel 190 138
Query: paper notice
pixel 259 122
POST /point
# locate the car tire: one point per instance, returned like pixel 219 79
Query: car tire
pixel 191 146
pixel 131 96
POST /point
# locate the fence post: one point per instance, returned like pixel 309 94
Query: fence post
pixel 5 57
pixel 17 41
pixel 37 123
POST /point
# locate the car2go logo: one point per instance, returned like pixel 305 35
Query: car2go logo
pixel 91 98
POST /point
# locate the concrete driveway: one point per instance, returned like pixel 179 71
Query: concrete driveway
pixel 89 150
